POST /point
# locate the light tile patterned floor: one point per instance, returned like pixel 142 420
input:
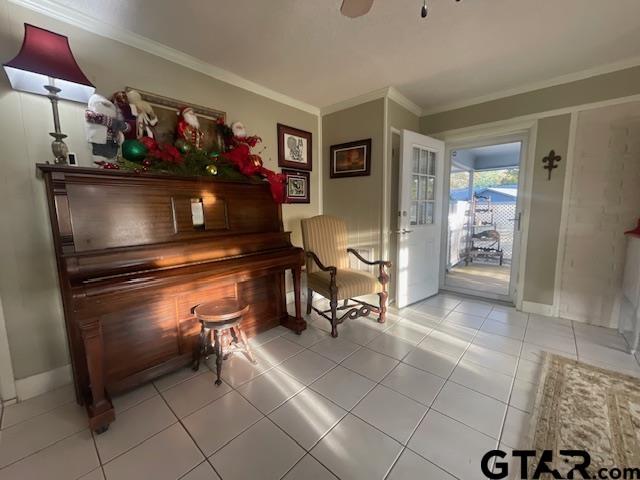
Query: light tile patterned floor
pixel 423 396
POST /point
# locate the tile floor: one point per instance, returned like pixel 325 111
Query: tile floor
pixel 423 396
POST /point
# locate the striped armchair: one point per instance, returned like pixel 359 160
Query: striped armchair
pixel 328 273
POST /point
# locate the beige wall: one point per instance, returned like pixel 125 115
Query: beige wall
pixel 618 84
pixel 28 283
pixel 553 132
pixel 358 200
pixel 546 209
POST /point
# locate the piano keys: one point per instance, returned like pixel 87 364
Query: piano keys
pixel 136 252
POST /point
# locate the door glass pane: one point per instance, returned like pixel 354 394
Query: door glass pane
pixel 432 163
pixel 423 181
pixel 431 187
pixel 422 213
pixel 423 161
pixel 429 213
pixel 422 191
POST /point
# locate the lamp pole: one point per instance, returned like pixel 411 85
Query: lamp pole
pixel 59 148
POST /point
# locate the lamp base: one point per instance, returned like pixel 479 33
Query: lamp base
pixel 59 148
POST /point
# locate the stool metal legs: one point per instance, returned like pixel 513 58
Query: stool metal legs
pixel 218 340
pixel 217 347
pixel 201 351
pixel 245 342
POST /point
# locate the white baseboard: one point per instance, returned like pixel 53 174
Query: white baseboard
pixel 538 308
pixel 43 382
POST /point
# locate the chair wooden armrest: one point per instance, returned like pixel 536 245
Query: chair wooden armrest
pixel 383 277
pixel 382 263
pixel 331 270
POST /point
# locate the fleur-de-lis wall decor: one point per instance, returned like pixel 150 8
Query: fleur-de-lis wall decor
pixel 551 161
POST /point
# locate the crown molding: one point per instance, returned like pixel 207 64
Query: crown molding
pixel 568 78
pixel 400 99
pixel 386 92
pixel 352 102
pixel 78 19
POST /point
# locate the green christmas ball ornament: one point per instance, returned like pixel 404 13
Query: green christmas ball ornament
pixel 133 150
pixel 183 146
pixel 214 155
pixel 212 169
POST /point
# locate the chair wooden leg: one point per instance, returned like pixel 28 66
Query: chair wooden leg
pixel 309 300
pixel 345 302
pixel 383 278
pixel 334 316
pixel 245 343
pixel 217 346
pixel 383 307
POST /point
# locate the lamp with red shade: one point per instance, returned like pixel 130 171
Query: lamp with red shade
pixel 45 66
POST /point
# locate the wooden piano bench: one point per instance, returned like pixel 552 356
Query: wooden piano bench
pixel 221 318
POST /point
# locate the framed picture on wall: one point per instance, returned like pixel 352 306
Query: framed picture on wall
pixel 166 110
pixel 297 186
pixel 294 148
pixel 351 159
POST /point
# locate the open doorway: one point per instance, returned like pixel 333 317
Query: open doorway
pixel 483 220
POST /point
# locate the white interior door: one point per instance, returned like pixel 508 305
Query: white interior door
pixel 420 218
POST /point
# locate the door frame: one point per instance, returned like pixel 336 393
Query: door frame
pixel 387 252
pixel 478 136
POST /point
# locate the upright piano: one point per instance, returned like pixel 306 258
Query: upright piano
pixel 136 252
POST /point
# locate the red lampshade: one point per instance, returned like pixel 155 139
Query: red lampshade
pixel 46 59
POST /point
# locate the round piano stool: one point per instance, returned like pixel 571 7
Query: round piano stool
pixel 218 319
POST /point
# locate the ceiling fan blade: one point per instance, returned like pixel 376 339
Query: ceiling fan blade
pixel 355 8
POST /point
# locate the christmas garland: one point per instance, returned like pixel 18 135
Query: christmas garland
pixel 235 162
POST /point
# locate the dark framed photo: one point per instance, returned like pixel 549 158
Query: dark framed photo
pixel 297 185
pixel 294 148
pixel 351 159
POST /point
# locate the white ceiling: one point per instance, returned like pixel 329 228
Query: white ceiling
pixel 307 50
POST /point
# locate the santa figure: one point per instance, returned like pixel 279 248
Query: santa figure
pixel 123 110
pixel 105 131
pixel 143 111
pixel 189 127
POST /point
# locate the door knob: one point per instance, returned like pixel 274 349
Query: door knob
pixel 404 231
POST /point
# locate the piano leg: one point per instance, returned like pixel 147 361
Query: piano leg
pixel 297 323
pixel 100 409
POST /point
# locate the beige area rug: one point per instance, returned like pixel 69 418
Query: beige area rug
pixel 582 407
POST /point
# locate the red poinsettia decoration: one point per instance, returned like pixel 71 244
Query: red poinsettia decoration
pixel 162 152
pixel 251 164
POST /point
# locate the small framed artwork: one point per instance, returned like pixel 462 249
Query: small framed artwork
pixel 351 159
pixel 294 148
pixel 297 186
